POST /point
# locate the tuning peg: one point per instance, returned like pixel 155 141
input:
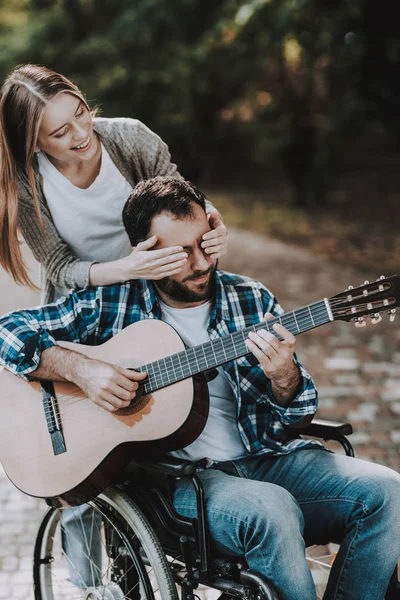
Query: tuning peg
pixel 349 297
pixel 359 322
pixel 376 318
pixel 392 314
pixel 365 292
pixel 381 277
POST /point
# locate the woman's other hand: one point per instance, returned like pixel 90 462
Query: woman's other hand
pixel 215 241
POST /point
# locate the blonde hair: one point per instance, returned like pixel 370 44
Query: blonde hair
pixel 23 98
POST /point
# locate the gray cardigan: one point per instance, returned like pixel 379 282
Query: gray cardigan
pixel 136 151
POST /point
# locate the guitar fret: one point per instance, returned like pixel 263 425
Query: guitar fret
pixel 288 321
pixel 223 349
pixel 159 375
pixel 218 351
pixel 205 355
pixel 235 350
pixel 239 347
pixel 186 363
pixel 230 348
pixel 180 363
pixel 201 359
pixel 304 319
pixel 150 369
pixel 163 370
pixel 170 368
pixel 218 348
pixel 322 315
pixel 197 362
pixel 213 351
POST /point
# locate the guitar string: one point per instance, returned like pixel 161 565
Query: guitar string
pixel 191 365
pixel 223 358
pixel 221 352
pixel 314 312
pixel 318 311
pixel 215 350
pixel 226 339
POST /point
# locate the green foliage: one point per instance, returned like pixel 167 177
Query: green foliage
pixel 243 90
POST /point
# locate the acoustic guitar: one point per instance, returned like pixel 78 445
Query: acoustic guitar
pixel 57 444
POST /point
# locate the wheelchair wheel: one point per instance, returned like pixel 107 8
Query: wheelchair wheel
pixel 106 550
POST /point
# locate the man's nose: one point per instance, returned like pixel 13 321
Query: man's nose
pixel 200 262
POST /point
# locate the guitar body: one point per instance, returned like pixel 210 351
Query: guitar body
pixel 96 445
pixel 99 444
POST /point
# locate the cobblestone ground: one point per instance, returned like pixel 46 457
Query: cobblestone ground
pixel 357 372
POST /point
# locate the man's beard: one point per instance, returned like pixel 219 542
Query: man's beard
pixel 179 291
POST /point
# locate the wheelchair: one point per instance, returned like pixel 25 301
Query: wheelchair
pixel 137 547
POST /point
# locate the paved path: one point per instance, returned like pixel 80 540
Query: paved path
pixel 357 372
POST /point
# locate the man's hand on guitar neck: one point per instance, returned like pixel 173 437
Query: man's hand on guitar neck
pixel 109 386
pixel 276 360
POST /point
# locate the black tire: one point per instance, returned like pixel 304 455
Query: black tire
pixel 118 537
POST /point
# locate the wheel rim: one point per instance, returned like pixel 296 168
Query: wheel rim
pixel 119 570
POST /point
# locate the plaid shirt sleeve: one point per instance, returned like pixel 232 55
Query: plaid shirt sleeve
pixel 25 334
pixel 306 400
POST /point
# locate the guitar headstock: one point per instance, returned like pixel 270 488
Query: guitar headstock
pixel 382 295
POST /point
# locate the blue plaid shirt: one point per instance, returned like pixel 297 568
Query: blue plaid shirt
pixel 92 316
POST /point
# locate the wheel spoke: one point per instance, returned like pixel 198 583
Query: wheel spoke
pixel 109 553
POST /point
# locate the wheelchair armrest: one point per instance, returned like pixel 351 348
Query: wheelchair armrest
pixel 326 430
pixel 169 465
pixel 176 467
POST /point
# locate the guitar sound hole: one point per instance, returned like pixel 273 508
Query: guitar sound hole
pixel 139 402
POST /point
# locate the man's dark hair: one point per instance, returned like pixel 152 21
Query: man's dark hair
pixel 155 196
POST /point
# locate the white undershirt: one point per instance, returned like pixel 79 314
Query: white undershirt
pixel 89 220
pixel 220 439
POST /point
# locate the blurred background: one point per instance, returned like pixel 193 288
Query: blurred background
pixel 295 101
pixel 286 113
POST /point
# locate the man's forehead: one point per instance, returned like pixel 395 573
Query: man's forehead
pixel 183 231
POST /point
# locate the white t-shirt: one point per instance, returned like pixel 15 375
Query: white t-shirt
pixel 220 439
pixel 89 220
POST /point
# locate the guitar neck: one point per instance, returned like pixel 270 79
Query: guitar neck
pixel 198 359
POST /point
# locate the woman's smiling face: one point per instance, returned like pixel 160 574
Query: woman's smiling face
pixel 66 130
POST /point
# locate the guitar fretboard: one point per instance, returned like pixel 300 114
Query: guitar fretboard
pixel 189 362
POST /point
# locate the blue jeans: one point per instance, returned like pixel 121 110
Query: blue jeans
pixel 268 509
pixel 81 541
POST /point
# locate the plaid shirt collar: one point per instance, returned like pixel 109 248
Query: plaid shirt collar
pixel 149 302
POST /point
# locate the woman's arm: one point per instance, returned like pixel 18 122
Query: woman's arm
pixel 63 268
pixel 149 156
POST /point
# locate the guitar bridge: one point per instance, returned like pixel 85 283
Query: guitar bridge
pixel 51 411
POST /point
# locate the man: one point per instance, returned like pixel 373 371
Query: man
pixel 268 493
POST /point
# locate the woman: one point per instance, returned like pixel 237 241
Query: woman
pixel 64 178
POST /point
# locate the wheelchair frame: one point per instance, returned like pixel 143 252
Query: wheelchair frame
pixel 189 539
pixel 209 570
